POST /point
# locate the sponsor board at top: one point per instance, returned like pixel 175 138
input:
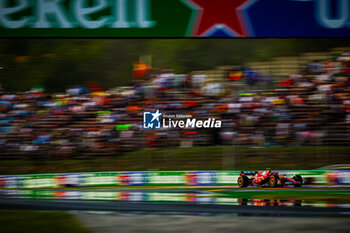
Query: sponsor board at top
pixel 77 13
pixel 174 18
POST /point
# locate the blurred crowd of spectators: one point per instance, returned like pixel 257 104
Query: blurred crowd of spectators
pixel 311 107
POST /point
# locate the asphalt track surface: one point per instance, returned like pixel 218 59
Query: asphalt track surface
pixel 97 223
pixel 167 207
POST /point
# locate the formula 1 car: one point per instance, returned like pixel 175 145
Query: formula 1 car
pixel 267 179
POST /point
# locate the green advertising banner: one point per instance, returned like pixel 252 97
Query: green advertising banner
pixel 166 178
pixel 99 18
pixel 38 181
pixel 99 178
pixel 227 177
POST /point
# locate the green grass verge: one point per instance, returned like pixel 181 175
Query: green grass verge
pixel 195 158
pixel 28 221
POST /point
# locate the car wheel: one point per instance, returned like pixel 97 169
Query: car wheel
pixel 243 181
pixel 273 181
pixel 299 179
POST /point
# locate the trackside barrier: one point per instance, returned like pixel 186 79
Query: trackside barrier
pixel 150 178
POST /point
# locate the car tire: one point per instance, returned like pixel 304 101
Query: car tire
pixel 273 181
pixel 243 181
pixel 299 179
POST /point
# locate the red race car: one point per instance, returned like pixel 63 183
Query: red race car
pixel 267 179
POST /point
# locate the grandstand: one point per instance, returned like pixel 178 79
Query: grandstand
pixel 309 105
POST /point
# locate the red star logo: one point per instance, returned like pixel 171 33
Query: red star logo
pixel 214 13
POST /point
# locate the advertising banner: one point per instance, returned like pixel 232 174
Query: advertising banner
pixel 9 181
pixel 37 181
pixel 123 178
pixel 175 18
pixel 344 177
pixel 227 177
pixel 132 178
pixel 166 178
pixel 338 177
pixel 68 180
pixel 137 178
pixel 201 178
pixel 2 182
pixel 319 177
pixel 99 178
